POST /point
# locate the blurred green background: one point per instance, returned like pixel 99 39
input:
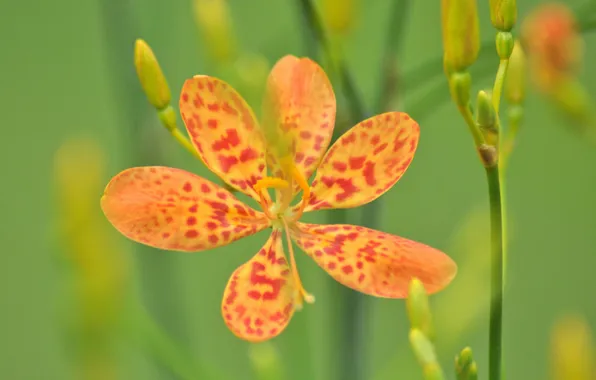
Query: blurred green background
pixel 67 71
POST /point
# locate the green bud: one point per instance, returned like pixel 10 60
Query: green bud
pixel 422 347
pixel 168 118
pixel 503 14
pixel 504 44
pixel 150 75
pixel 515 80
pixel 418 309
pixel 461 34
pixel 486 118
pixel 459 85
pixel 433 372
pixel 465 366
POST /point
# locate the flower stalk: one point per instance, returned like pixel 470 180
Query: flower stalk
pixel 461 51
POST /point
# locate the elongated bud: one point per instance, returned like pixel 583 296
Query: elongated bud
pixel 459 85
pixel 503 14
pixel 504 42
pixel 339 15
pixel 572 350
pixel 215 23
pixel 465 366
pixel 515 80
pixel 486 117
pixel 418 309
pixel 150 75
pixel 461 35
pixel 425 353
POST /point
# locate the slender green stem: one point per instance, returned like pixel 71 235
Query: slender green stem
pixel 389 82
pixel 476 133
pixel 499 81
pixel 338 64
pixel 496 306
pixel 157 271
pixel 165 350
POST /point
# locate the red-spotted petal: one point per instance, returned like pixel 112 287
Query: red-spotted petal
pixel 298 113
pixel 365 162
pixel 225 132
pixel 173 209
pixel 258 302
pixel 374 262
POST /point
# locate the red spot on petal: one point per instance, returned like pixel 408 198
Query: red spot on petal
pixel 340 166
pixel 193 208
pixel 191 221
pixel 191 234
pixel 357 162
pixel 347 269
pixel 369 173
pixel 187 187
pixel 212 123
pixel 205 188
pixel 213 239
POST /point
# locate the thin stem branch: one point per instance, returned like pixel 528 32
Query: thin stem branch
pixel 496 288
pixel 390 74
pixel 338 64
pixel 499 81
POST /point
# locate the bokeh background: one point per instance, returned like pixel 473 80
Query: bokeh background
pixel 67 73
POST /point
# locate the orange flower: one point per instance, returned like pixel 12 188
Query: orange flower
pixel 173 209
pixel 553 43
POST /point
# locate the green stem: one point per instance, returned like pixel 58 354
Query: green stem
pixel 338 63
pixel 157 270
pixel 499 81
pixel 159 345
pixel 389 82
pixel 349 303
pixel 496 288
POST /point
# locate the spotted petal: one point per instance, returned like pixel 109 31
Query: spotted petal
pixel 298 113
pixel 374 262
pixel 365 162
pixel 173 209
pixel 225 132
pixel 258 301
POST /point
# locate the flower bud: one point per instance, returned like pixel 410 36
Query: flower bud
pixel 465 366
pixel 339 15
pixel 150 75
pixel 461 35
pixel 503 14
pixel 486 118
pixel 515 80
pixel 215 23
pixel 418 308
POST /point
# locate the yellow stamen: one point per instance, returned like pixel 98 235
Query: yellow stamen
pixel 303 295
pixel 301 181
pixel 271 182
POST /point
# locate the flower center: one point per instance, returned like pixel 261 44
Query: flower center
pixel 282 216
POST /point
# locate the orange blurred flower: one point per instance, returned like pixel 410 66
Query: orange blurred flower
pixel 553 44
pixel 173 209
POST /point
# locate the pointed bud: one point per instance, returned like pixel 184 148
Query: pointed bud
pixel 459 85
pixel 339 15
pixel 461 35
pixel 486 118
pixel 425 353
pixel 515 80
pixel 418 309
pixel 215 23
pixel 150 75
pixel 503 14
pixel 465 366
pixel 505 44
